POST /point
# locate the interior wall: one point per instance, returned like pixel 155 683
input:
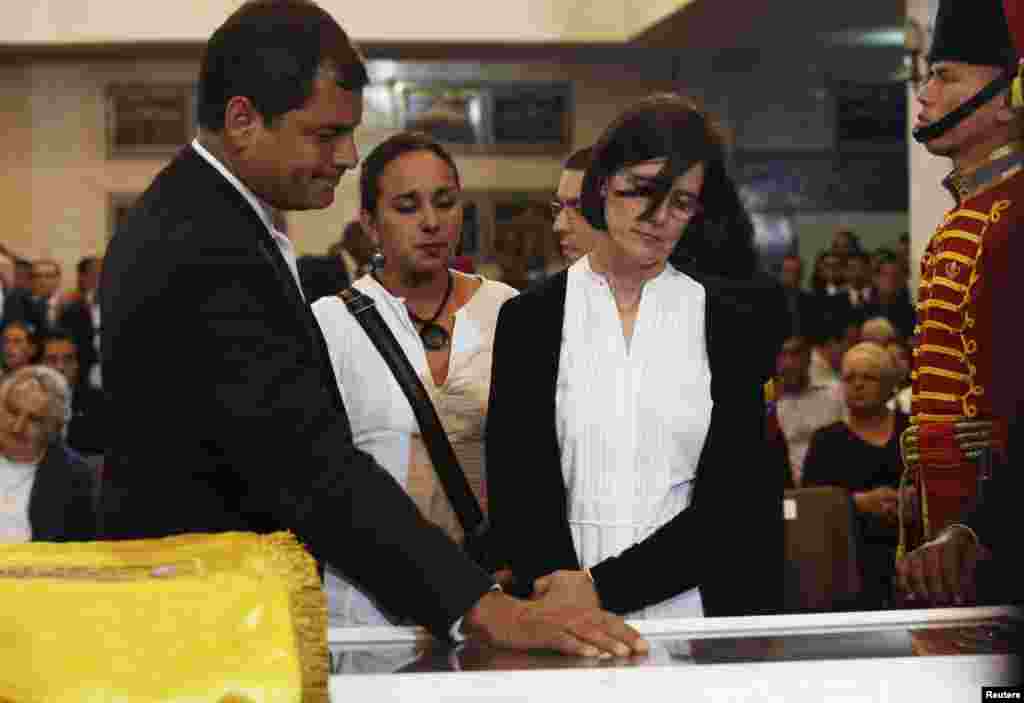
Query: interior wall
pixel 928 199
pixel 57 178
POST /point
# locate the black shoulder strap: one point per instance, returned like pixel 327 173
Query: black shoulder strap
pixel 453 480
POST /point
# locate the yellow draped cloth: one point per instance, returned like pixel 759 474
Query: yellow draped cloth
pixel 232 617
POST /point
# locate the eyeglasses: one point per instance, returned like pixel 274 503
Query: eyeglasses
pixel 681 206
pixel 569 204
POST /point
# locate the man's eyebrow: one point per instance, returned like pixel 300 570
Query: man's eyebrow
pixel 337 127
pixel 640 178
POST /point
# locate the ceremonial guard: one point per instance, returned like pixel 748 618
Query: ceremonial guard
pixel 967 382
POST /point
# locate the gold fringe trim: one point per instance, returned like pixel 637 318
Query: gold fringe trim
pixel 297 568
pixel 279 555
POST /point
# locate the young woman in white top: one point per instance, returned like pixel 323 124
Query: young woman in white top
pixel 444 320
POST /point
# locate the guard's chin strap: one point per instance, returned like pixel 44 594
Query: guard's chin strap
pixel 955 117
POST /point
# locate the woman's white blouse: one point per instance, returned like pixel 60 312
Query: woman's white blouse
pixel 16 480
pixel 632 420
pixel 383 423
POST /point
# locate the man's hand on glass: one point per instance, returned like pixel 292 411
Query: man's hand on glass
pixel 500 620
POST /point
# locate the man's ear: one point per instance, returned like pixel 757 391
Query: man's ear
pixel 369 227
pixel 241 119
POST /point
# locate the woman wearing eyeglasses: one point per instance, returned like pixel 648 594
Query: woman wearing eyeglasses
pixel 625 416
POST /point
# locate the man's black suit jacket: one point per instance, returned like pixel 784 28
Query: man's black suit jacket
pixel 729 541
pixel 227 411
pixel 21 306
pixel 61 505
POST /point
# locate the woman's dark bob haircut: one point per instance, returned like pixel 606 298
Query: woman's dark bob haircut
pixel 389 150
pixel 720 240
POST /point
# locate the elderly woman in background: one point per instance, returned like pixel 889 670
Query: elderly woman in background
pixel 411 206
pixel 862 455
pixel 624 410
pixel 46 491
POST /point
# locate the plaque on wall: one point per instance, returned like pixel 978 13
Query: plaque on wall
pixel 532 118
pixel 149 119
pixel 490 118
pixel 449 113
pixel 870 116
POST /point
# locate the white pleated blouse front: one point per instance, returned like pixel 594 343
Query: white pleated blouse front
pixel 632 420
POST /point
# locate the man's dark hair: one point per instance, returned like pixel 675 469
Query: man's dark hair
pixel 85 263
pixel 386 152
pixel 859 254
pixel 271 51
pixel 579 160
pixel 718 241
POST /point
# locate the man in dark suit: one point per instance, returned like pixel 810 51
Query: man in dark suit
pixel 86 428
pixel 893 296
pixel 799 303
pixel 80 316
pixel 205 328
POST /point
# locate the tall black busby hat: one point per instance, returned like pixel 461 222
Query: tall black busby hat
pixel 972 31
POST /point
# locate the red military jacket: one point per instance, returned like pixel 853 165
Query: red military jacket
pixel 968 357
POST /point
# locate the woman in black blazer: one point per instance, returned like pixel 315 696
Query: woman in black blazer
pixel 626 411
